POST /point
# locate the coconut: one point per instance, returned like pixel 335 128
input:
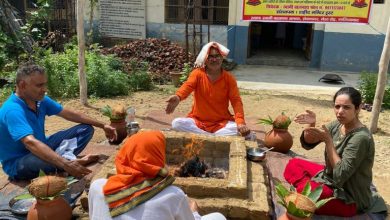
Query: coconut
pixel 301 202
pixel 119 111
pixel 47 186
pixel 282 121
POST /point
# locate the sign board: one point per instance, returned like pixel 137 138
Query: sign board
pixel 307 11
pixel 122 18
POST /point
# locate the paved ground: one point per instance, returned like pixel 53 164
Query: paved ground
pixel 259 77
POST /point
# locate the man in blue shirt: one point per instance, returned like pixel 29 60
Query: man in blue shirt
pixel 24 148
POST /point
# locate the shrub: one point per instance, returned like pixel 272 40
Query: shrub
pixel 5 92
pixel 139 78
pixel 37 20
pixel 103 79
pixel 186 72
pixel 10 49
pixel 104 75
pixel 367 86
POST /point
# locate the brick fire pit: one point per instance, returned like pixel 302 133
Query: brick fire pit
pixel 227 153
pixel 244 194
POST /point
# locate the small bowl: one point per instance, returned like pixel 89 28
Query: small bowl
pixel 21 206
pixel 255 154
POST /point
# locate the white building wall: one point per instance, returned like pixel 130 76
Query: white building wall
pixel 155 11
pixel 235 14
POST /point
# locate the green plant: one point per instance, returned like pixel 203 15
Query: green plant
pixel 5 92
pixel 185 73
pixel 10 48
pixel 105 77
pixel 139 78
pixel 302 204
pixel 281 121
pixel 37 20
pixel 367 87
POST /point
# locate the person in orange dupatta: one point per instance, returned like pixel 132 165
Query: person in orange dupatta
pixel 213 89
pixel 142 188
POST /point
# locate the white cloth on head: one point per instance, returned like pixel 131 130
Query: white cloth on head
pixel 169 204
pixel 203 54
pixel 189 125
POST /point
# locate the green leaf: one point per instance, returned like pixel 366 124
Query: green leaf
pixel 307 189
pixel 322 202
pixel 54 196
pixel 315 195
pixel 267 121
pixel 107 111
pixel 282 203
pixel 24 196
pixel 41 173
pixel 281 191
pixel 293 210
pixel 71 179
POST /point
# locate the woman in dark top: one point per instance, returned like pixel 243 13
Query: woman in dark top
pixel 349 158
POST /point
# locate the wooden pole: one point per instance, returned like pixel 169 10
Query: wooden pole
pixel 81 44
pixel 382 81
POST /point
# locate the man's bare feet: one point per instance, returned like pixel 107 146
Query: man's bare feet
pixel 87 159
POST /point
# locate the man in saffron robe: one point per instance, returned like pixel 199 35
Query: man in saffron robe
pixel 213 89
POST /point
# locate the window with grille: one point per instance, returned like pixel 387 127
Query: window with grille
pixel 197 11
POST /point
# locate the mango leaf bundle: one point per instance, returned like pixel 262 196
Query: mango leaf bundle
pixel 303 204
pixel 115 114
pixel 281 121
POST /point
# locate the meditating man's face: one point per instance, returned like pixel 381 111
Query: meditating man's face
pixel 214 59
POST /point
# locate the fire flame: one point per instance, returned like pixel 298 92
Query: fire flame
pixel 193 148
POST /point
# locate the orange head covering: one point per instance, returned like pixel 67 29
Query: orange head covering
pixel 140 168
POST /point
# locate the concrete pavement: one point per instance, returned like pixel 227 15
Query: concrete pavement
pixel 259 77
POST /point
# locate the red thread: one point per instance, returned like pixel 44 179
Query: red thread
pixel 47 188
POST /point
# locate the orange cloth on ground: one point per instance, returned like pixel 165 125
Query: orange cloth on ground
pixel 141 157
pixel 210 109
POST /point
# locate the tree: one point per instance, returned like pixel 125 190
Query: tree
pixel 11 24
pixel 382 81
pixel 81 44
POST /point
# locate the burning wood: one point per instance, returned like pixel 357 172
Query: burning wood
pixel 193 167
pixel 196 167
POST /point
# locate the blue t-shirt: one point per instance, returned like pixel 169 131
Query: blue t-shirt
pixel 17 121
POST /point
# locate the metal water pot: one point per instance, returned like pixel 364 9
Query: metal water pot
pixel 132 128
